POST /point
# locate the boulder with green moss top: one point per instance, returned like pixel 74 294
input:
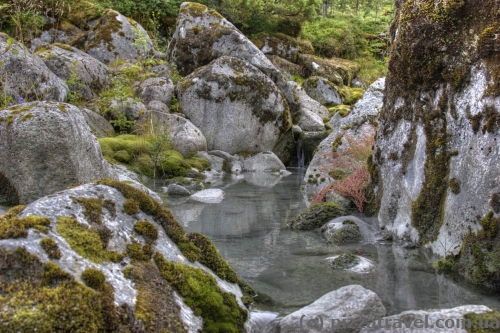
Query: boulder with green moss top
pixel 44 148
pixel 323 91
pixel 117 37
pixel 236 106
pixel 25 75
pixel 203 35
pixel 344 232
pixel 90 234
pixel 441 122
pixel 279 45
pixel 316 216
pixel 85 75
pixel 336 70
pixel 357 125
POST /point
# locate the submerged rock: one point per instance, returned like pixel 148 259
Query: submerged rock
pixel 344 232
pixel 316 215
pixel 213 195
pixel 353 303
pixel 44 148
pixel 236 107
pixel 263 162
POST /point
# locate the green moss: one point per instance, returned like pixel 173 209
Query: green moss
pixel 93 278
pixel 174 167
pixel 454 186
pixel 219 310
pixel 348 233
pixel 484 322
pixel 51 248
pixel 138 252
pixel 337 142
pixel 13 227
pixel 27 116
pixel 316 216
pixel 199 163
pixel 43 296
pixel 344 261
pixel 122 156
pixel 127 272
pixel 211 257
pixel 146 229
pixel 103 31
pixel 144 164
pixel 445 265
pixel 130 206
pixel 85 241
pixel 93 208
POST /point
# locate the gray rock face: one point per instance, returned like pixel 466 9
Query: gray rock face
pixel 129 108
pixel 353 302
pixel 46 147
pixel 263 162
pixel 64 60
pixel 311 112
pixel 286 67
pixel 474 167
pixel 428 321
pixel 177 190
pixel 185 137
pixel 202 35
pixel 25 75
pixel 322 91
pixel 213 195
pixel 156 89
pixel 357 126
pixel 117 37
pixel 99 126
pixel 236 107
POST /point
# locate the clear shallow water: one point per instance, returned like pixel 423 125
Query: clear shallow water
pixel 249 229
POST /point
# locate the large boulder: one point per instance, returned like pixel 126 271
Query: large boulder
pixel 357 126
pixel 312 114
pixel 332 69
pixel 156 89
pixel 352 303
pixel 437 151
pixel 203 35
pixel 263 162
pixel 117 37
pixel 133 256
pixel 46 147
pixel 25 75
pixel 236 106
pixel 84 74
pixel 185 137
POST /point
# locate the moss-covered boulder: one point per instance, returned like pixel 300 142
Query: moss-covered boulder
pixel 333 69
pixel 203 35
pixel 289 69
pixel 312 115
pixel 236 106
pixel 106 235
pixel 344 232
pixel 316 216
pixel 44 148
pixel 278 44
pixel 25 76
pixel 117 37
pixel 85 75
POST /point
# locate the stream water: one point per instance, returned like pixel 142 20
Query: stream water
pixel 249 229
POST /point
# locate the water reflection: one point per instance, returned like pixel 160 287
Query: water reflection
pixel 249 229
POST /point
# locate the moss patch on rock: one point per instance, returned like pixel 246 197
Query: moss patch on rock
pixel 85 241
pixel 316 216
pixel 344 261
pixel 478 322
pixel 51 248
pixel 12 226
pixel 219 310
pixel 146 229
pixel 93 278
pixel 8 193
pixel 130 206
pixel 348 233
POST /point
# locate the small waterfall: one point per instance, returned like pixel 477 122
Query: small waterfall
pixel 300 154
pixel 263 322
